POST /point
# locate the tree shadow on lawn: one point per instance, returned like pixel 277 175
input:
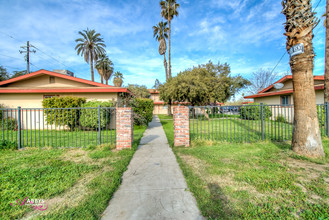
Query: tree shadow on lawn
pixel 219 199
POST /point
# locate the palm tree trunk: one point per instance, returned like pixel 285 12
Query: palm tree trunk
pixel 107 81
pixel 165 66
pixel 326 71
pixel 102 79
pixel 169 21
pixel 169 56
pixel 306 138
pixel 92 70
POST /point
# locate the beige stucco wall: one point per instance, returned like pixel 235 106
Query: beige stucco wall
pixel 35 100
pixel 155 97
pixel 43 81
pixel 275 100
pixel 23 100
pixel 270 100
pixel 319 97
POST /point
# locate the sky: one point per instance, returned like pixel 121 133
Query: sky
pixel 247 34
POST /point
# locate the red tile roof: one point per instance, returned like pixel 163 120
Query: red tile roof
pixel 98 87
pixel 46 72
pixel 288 91
pixel 264 92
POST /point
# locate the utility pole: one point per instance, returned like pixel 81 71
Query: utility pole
pixel 26 49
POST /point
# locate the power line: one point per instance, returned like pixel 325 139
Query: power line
pixel 286 51
pixel 35 66
pixel 10 57
pixel 317 5
pixel 278 61
pixel 58 61
pixel 53 58
pixel 11 67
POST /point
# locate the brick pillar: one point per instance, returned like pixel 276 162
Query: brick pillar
pixel 181 126
pixel 124 127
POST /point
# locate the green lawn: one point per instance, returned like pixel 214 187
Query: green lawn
pixel 75 183
pixel 230 128
pixel 59 138
pixel 263 180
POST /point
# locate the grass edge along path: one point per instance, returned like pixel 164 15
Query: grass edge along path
pixel 99 171
pixel 260 180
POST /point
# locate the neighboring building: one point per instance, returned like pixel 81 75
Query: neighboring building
pixel 284 95
pixel 29 90
pixel 160 106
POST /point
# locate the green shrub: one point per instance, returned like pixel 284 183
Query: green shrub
pixel 8 124
pixel 89 117
pixel 1 111
pixel 253 112
pixel 62 117
pixel 143 110
pixel 6 145
pixel 280 118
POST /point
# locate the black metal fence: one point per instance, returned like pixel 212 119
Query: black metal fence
pixel 58 127
pixel 248 123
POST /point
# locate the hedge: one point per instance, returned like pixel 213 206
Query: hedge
pixel 89 117
pixel 253 112
pixel 143 110
pixel 8 124
pixel 61 117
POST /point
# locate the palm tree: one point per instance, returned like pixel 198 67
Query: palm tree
pixel 160 33
pixel 104 67
pixel 300 22
pixel 168 11
pixel 108 73
pixel 90 46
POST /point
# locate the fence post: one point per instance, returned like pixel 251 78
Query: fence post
pixel 99 126
pixel 262 119
pixel 124 127
pixel 327 118
pixel 19 127
pixel 181 126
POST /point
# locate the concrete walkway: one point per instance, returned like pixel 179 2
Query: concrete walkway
pixel 153 187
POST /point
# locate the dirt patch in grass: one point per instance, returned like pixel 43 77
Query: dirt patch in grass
pixel 306 165
pixel 199 168
pixel 71 197
pixel 81 156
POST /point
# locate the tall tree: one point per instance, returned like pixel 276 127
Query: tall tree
pixel 90 46
pixel 169 11
pixel 160 32
pixel 203 85
pixel 139 91
pixel 18 73
pixel 104 67
pixel 260 80
pixel 300 22
pixel 4 75
pixel 108 73
pixel 157 84
pixel 326 71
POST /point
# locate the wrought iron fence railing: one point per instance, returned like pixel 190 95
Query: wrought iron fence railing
pixel 58 127
pixel 248 123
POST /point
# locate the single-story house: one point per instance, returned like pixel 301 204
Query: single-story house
pixel 29 90
pixel 284 95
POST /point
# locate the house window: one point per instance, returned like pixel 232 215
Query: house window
pixel 51 80
pixel 49 96
pixel 285 100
